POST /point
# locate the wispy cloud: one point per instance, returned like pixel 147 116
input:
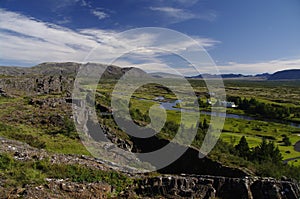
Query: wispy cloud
pixel 86 3
pixel 261 67
pixel 174 12
pixel 181 3
pixel 188 2
pixel 100 14
pixel 179 15
pixel 30 41
pixel 64 20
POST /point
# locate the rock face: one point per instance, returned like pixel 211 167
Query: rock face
pixel 53 78
pixel 207 187
pixel 188 163
pixel 144 186
pixel 37 85
pixel 46 78
pixel 2 93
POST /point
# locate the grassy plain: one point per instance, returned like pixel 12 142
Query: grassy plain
pixel 29 123
pixel 278 93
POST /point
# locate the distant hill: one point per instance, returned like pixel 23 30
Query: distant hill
pixel 233 76
pixel 293 74
pixel 164 75
pixel 56 77
pixel 66 69
pixel 206 75
pixel 115 72
pixel 263 75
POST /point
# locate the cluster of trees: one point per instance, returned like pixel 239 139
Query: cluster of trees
pixel 202 104
pixel 265 152
pixel 172 128
pixel 266 159
pixel 295 111
pixel 253 106
pixel 137 115
pixel 286 141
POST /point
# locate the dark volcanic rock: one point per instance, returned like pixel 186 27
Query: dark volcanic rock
pixel 2 93
pixel 188 163
pixel 144 186
pixel 52 78
pixel 207 187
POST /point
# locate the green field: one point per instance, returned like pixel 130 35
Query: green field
pixel 32 124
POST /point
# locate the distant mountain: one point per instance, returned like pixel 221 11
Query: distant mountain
pixel 164 75
pixel 293 74
pixel 206 75
pixel 233 76
pixel 263 75
pixel 47 68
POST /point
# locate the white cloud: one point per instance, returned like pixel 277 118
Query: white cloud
pixel 174 12
pixel 179 15
pixel 65 20
pixel 188 2
pixel 100 14
pixel 29 41
pixel 86 3
pixel 261 67
pixel 25 39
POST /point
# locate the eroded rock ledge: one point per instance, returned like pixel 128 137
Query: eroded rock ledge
pixel 207 187
pixel 145 186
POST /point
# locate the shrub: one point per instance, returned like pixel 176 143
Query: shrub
pixel 242 148
pixel 286 141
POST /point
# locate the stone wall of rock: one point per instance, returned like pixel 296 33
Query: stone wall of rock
pixel 188 163
pixel 208 187
pixel 166 186
pixel 48 78
pixel 37 85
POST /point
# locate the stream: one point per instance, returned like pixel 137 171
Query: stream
pixel 171 106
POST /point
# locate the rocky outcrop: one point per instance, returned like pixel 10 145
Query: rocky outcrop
pixel 188 163
pixel 207 187
pixel 49 78
pixel 165 186
pixel 3 93
pixel 37 85
pixel 47 68
pixel 48 102
pixel 59 188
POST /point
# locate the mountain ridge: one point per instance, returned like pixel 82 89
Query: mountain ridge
pixel 112 71
pixel 290 74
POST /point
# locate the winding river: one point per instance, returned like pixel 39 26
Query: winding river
pixel 171 106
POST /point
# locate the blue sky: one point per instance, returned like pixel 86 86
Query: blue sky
pixel 241 36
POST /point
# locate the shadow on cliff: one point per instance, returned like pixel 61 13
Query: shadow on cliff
pixel 188 163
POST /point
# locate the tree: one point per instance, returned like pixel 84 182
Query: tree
pixel 243 148
pixel 205 124
pixel 267 152
pixel 286 141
